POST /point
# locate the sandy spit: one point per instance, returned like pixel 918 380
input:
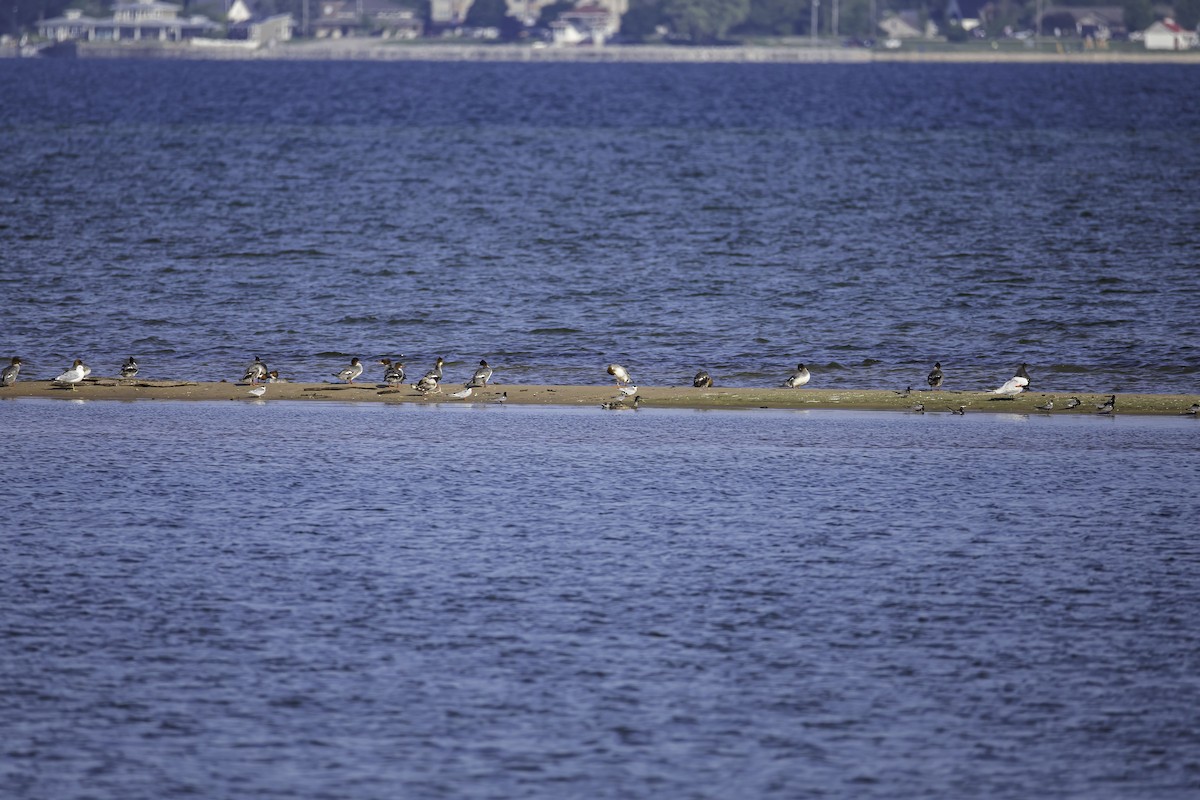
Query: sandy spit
pixel 652 396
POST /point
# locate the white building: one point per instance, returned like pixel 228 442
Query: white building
pixel 130 21
pixel 1167 34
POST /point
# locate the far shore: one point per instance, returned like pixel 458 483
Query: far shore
pixel 651 396
pixel 364 49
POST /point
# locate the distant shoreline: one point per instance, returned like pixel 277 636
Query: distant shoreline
pixel 377 50
pixel 652 396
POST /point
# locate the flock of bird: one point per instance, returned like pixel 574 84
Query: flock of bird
pixel 394 376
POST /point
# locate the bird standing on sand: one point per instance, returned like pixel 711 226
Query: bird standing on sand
pixel 1194 411
pixel 919 408
pixel 256 371
pixel 273 377
pixel 702 380
pixel 257 391
pixel 1013 386
pixel 623 404
pixel 481 376
pixel 427 384
pixel 74 375
pixel 627 391
pixel 934 379
pixel 9 376
pixel 463 393
pixel 1073 403
pixel 1108 406
pixel 502 399
pixel 797 378
pixel 351 372
pixel 129 368
pixel 1047 406
pixel 393 372
pixel 620 373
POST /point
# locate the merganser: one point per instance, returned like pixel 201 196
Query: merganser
pixel 620 373
pixel 129 368
pixel 702 380
pixel 797 378
pixel 351 372
pixel 256 371
pixel 934 379
pixel 481 376
pixel 623 404
pixel 393 372
pixel 9 376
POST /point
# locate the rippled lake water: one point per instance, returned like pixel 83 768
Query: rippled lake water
pixel 866 220
pixel 333 600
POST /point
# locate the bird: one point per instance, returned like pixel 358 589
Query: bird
pixel 627 391
pixel 623 404
pixel 463 393
pixel 935 377
pixel 481 376
pixel 797 378
pixel 351 372
pixel 436 371
pixel 393 372
pixel 919 408
pixel 1073 402
pixel 1023 373
pixel 273 377
pixel 1047 406
pixel 620 373
pixel 427 384
pixel 1194 411
pixel 255 371
pixel 9 376
pixel 1012 386
pixel 905 393
pixel 86 370
pixel 129 368
pixel 702 380
pixel 1108 406
pixel 258 391
pixel 962 410
pixel 74 375
pixel 502 399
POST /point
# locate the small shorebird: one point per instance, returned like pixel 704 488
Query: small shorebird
pixel 620 373
pixel 351 372
pixel 502 399
pixel 962 410
pixel 129 368
pixel 255 371
pixel 907 391
pixel 1073 402
pixel 1108 406
pixel 481 376
pixel 9 376
pixel 797 378
pixel 1194 411
pixel 74 375
pixel 393 372
pixel 1014 386
pixel 934 379
pixel 257 391
pixel 1047 406
pixel 622 405
pixel 463 393
pixel 702 380
pixel 919 408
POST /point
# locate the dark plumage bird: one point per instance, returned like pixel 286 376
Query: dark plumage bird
pixel 702 380
pixel 1108 406
pixel 624 404
pixel 256 371
pixel 393 372
pixel 1194 411
pixel 129 368
pixel 935 377
pixel 1023 372
pixel 1073 403
pixel 427 384
pixel 9 376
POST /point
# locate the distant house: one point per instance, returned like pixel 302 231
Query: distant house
pixel 906 25
pixel 345 18
pixel 1086 22
pixel 592 24
pixel 1167 34
pixel 264 30
pixel 130 21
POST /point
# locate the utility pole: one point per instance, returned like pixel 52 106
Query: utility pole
pixel 816 20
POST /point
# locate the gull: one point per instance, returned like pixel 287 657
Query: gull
pixel 9 376
pixel 1048 406
pixel 462 393
pixel 351 372
pixel 623 404
pixel 797 378
pixel 129 368
pixel 702 380
pixel 258 391
pixel 1194 411
pixel 1012 386
pixel 393 372
pixel 934 379
pixel 481 376
pixel 919 408
pixel 74 375
pixel 1073 402
pixel 1108 406
pixel 256 371
pixel 620 373
pixel 962 410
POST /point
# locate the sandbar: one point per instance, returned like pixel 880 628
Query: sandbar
pixel 651 396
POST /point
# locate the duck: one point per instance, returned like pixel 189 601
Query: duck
pixel 393 372
pixel 427 384
pixel 1022 372
pixel 702 380
pixel 129 368
pixel 623 404
pixel 273 377
pixel 255 371
pixel 1108 406
pixel 481 376
pixel 351 372
pixel 436 372
pixel 9 376
pixel 620 373
pixel 935 377
pixel 74 375
pixel 797 378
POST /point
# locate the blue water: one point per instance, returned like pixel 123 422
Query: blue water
pixel 866 220
pixel 301 600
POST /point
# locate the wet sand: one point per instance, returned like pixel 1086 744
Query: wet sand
pixel 652 396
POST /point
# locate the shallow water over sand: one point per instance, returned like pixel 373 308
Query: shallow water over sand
pixel 315 600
